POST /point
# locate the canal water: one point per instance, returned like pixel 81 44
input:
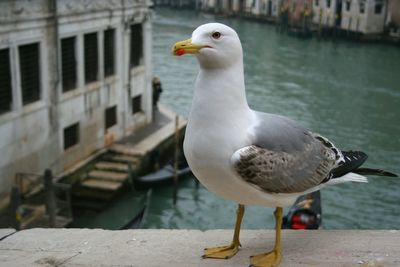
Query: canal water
pixel 346 91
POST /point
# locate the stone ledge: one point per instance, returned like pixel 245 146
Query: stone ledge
pixel 86 247
pixel 4 232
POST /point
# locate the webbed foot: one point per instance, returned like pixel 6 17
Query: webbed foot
pixel 222 252
pixel 269 259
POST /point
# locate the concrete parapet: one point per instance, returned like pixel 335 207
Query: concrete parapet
pixel 86 247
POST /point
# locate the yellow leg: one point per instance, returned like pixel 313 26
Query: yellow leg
pixel 272 258
pixel 225 252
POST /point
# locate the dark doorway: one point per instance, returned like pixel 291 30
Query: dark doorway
pixel 269 8
pixel 338 15
pixel 241 6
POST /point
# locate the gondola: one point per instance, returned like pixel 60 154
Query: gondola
pixel 305 213
pixel 163 176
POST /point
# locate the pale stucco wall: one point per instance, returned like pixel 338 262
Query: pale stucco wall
pixel 32 135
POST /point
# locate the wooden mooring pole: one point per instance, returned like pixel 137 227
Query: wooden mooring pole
pixel 132 176
pixel 15 201
pixel 50 198
pixel 319 25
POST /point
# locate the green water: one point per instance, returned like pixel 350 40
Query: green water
pixel 349 92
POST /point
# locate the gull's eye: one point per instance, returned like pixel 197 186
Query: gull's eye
pixel 216 35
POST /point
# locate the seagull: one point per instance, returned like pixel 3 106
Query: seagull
pixel 250 157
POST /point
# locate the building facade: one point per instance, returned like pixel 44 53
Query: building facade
pixel 393 18
pixel 265 8
pixel 74 77
pixel 326 12
pixel 299 12
pixel 365 16
pixel 219 6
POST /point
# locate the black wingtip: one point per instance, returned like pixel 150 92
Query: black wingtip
pixel 352 163
pixel 377 172
pixel 352 160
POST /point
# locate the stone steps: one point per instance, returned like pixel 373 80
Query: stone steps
pixel 101 184
pixel 111 166
pixel 120 158
pixel 108 175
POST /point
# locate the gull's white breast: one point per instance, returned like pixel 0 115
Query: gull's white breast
pixel 210 142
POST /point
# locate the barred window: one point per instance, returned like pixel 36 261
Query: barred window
pixel 328 3
pixel 68 64
pixel 71 135
pixel 347 5
pixel 110 117
pixel 378 7
pixel 136 104
pixel 5 81
pixel 136 45
pixel 109 52
pixel 30 72
pixel 91 57
pixel 362 7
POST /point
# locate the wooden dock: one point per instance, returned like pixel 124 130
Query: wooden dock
pixel 98 180
pixel 153 140
pixel 181 248
pixel 110 170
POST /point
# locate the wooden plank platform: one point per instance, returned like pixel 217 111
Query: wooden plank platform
pixel 111 166
pixel 159 136
pixel 126 149
pixel 153 140
pixel 108 175
pixel 101 184
pixel 124 159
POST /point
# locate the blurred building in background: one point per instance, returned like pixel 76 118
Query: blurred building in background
pixel 366 17
pixel 266 9
pixel 393 18
pixel 299 12
pixel 74 76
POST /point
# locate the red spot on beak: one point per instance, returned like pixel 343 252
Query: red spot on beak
pixel 180 52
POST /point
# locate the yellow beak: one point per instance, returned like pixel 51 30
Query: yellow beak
pixel 186 47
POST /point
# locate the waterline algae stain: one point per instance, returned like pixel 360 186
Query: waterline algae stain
pixel 343 89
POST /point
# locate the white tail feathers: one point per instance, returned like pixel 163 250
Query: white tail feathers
pixel 349 177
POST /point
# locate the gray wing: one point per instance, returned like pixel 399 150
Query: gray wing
pixel 279 133
pixel 284 157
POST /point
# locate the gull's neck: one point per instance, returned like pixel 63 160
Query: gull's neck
pixel 220 91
